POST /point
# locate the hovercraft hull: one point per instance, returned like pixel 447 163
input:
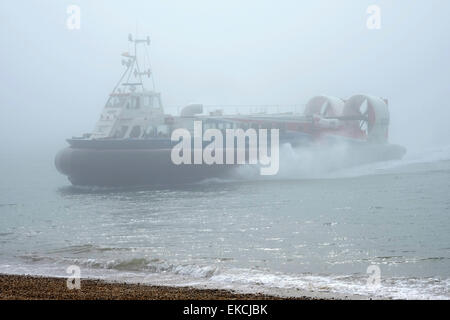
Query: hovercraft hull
pixel 113 167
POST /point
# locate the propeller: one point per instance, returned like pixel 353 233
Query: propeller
pixel 364 110
pixel 324 109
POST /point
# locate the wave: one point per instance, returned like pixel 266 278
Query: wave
pixel 427 155
pixel 314 163
pixel 159 272
pixel 331 163
pixel 412 160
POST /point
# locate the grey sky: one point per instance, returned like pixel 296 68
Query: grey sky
pixel 54 82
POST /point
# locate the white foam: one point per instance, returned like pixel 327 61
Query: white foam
pixel 240 279
pixel 328 163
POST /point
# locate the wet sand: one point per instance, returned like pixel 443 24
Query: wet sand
pixel 21 287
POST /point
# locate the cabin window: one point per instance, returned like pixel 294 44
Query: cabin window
pixel 162 130
pixel 147 101
pixel 138 103
pixel 120 133
pixel 135 103
pixel 113 102
pixel 135 132
pixel 151 131
pixel 102 129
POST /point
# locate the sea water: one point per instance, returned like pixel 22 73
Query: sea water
pixel 307 231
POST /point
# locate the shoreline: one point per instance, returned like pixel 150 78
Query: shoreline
pixel 28 287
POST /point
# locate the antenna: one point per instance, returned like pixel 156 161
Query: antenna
pixel 133 69
pixel 146 40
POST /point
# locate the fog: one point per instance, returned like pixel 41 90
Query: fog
pixel 54 81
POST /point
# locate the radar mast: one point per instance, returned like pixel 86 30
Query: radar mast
pixel 135 74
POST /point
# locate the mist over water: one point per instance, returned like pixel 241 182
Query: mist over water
pixel 55 81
